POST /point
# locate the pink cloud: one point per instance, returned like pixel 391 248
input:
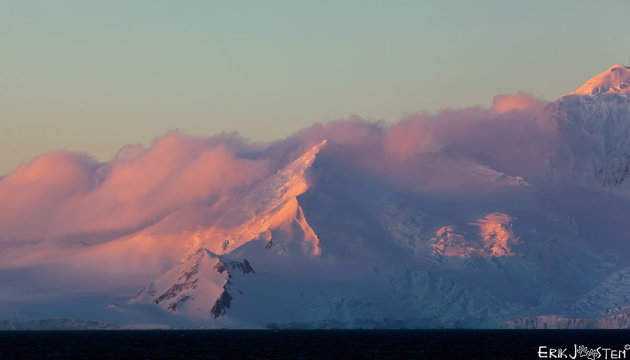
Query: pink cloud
pixel 66 194
pixel 69 195
pixel 30 195
pixel 520 101
pixel 451 151
pixel 409 136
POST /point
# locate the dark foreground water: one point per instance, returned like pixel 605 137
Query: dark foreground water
pixel 311 344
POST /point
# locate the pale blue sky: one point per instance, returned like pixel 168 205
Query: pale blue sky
pixel 93 76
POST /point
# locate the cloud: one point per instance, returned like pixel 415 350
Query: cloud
pixel 71 196
pixel 92 220
pixel 446 151
pixel 31 194
pixel 520 101
pixel 64 194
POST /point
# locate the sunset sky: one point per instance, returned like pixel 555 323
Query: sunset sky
pixel 93 77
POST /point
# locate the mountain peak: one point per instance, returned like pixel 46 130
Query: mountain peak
pixel 204 279
pixel 618 66
pixel 614 81
pixel 269 205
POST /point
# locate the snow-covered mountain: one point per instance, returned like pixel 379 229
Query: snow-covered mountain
pixel 594 128
pixel 204 279
pixel 346 232
pixel 614 81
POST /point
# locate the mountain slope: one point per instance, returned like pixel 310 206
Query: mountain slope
pixel 445 256
pixel 202 285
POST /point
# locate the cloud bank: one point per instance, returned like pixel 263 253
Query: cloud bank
pixel 64 195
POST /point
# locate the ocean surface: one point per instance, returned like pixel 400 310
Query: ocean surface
pixel 315 344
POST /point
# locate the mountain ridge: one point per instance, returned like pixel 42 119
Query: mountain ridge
pixel 433 222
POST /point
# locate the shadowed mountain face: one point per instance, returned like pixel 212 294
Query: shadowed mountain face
pixel 511 216
pixel 202 279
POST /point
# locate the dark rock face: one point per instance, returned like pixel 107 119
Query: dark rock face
pixel 174 290
pixel 245 267
pixel 225 299
pixel 223 302
pixel 190 282
pixel 173 307
pixel 221 267
pixel 186 275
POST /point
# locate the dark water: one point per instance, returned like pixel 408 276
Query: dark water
pixel 307 344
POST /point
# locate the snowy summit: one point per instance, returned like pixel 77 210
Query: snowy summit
pixel 614 81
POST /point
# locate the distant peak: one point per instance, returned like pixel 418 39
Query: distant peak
pixel 614 81
pixel 618 66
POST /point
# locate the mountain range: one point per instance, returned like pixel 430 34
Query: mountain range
pixel 513 216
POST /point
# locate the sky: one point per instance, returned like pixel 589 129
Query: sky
pixel 94 76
